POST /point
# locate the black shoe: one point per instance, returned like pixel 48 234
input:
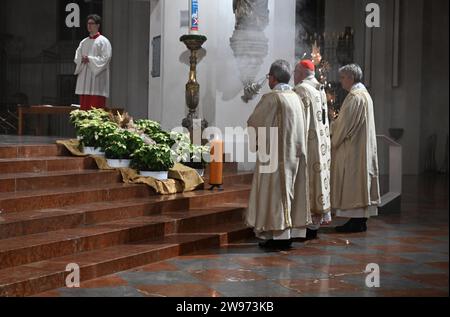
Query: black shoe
pixel 267 244
pixel 310 235
pixel 276 244
pixel 354 225
pixel 284 244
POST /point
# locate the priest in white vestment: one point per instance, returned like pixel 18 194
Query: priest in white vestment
pixel 279 200
pixel 92 60
pixel 355 191
pixel 312 93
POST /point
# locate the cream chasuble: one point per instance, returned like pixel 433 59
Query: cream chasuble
pixel 355 189
pixel 279 201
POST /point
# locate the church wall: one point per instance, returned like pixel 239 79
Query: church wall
pixel 231 110
pixel 138 53
pixel 175 59
pixel 435 99
pixel 39 31
pixel 155 110
pixel 406 99
pixel 218 74
pixel 127 27
pixel 402 106
pixel 398 106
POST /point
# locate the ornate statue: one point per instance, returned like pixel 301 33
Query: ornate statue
pixel 249 44
pixel 251 14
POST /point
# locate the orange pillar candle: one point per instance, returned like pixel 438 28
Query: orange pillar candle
pixel 216 165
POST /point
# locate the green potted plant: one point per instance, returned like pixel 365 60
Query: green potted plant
pixel 120 145
pixel 149 127
pixel 88 132
pixel 198 158
pixel 153 160
pixel 90 127
pixel 78 116
pixel 180 145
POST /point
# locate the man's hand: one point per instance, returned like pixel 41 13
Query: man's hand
pixel 332 115
pixel 85 60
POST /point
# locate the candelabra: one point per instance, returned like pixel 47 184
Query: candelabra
pixel 194 43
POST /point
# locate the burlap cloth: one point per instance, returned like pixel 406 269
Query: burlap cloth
pixel 181 178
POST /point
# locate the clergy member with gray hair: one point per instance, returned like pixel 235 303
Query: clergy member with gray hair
pixel 279 201
pixel 355 192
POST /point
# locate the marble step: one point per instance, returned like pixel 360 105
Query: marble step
pixel 46 275
pixel 233 230
pixel 43 246
pixel 45 164
pixel 29 179
pixel 52 150
pixel 35 150
pixel 90 193
pixel 42 150
pixel 53 180
pixel 44 220
pixel 58 198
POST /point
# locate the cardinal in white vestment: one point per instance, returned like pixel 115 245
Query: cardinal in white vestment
pixel 279 200
pixel 314 99
pixel 92 60
pixel 355 190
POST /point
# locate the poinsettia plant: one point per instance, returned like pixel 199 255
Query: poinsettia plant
pixel 154 131
pixel 91 126
pixel 121 144
pixel 198 156
pixel 180 145
pixel 92 132
pixel 78 116
pixel 149 127
pixel 152 158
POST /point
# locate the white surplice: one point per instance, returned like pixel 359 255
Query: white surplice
pixel 93 77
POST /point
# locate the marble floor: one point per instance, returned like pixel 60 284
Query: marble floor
pixel 409 247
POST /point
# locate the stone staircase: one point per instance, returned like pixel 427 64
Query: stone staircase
pixel 57 210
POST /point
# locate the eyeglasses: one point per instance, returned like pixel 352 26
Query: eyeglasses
pixel 92 23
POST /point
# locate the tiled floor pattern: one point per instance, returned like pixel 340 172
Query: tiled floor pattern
pixel 410 248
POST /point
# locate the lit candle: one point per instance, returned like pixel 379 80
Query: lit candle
pixel 216 165
pixel 193 10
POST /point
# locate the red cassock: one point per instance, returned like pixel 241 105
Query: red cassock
pixel 91 102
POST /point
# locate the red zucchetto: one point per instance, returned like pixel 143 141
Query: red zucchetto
pixel 308 64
